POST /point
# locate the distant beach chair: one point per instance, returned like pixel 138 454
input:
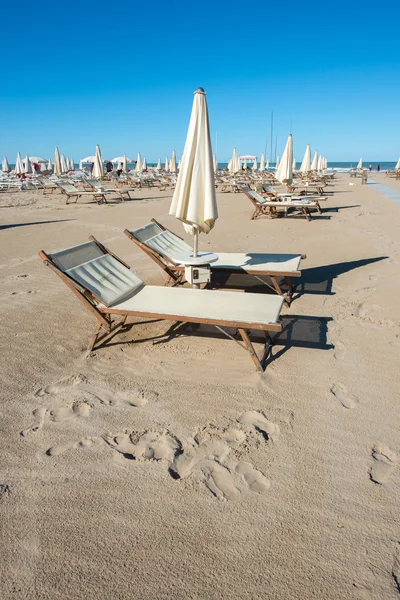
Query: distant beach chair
pixel 297 205
pixel 108 288
pixel 72 192
pixel 123 193
pixel 47 185
pixel 162 245
pixel 305 187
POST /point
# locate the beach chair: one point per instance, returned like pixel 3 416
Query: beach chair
pixel 305 187
pixel 47 185
pixel 162 245
pixel 96 185
pixel 266 207
pixel 268 190
pixel 112 293
pixel 72 192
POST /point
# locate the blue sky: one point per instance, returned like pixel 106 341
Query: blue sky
pixel 123 75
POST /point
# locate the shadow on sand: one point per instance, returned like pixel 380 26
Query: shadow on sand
pixel 33 223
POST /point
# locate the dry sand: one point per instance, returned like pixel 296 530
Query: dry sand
pixel 163 465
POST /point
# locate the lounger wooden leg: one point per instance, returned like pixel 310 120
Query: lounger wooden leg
pixel 94 338
pixel 250 348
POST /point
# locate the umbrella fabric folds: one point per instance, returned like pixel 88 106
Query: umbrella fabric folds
pixel 166 166
pixel 234 166
pixel 215 163
pixel 98 168
pixel 63 162
pixel 159 165
pixel 262 163
pixel 314 164
pixel 125 164
pixel 255 166
pixel 360 164
pixel 27 165
pixel 284 172
pixel 194 200
pixel 19 168
pixel 139 164
pixel 397 167
pixel 172 164
pixel 294 164
pixel 5 167
pixel 49 166
pixel 306 164
pixel 57 163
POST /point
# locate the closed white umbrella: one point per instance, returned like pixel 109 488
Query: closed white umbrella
pixel 278 162
pixel 194 200
pixel 360 164
pixel 98 167
pixel 166 166
pixel 64 167
pixel 27 165
pixel 284 172
pixel 57 163
pixel 267 165
pixel 314 164
pixel 19 167
pixel 215 163
pixel 397 167
pixel 125 164
pixel 255 166
pixel 5 167
pixel 49 165
pixel 139 164
pixel 306 164
pixel 72 165
pixel 159 165
pixel 234 166
pixel 262 163
pixel 244 165
pixel 294 164
pixel 172 164
pixel 144 164
pixel 319 165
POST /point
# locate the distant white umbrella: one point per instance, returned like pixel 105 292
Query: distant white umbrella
pixel 278 162
pixel 229 164
pixel 397 167
pixel 166 166
pixel 284 172
pixel 172 164
pixel 360 164
pixel 37 159
pixel 144 164
pixel 5 167
pixel 139 164
pixel 194 200
pixel 43 167
pixel 19 167
pixel 215 163
pixel 267 165
pixel 72 164
pixel 306 164
pixel 98 167
pixel 244 165
pixel 27 165
pixel 314 164
pixel 49 166
pixel 159 165
pixel 234 167
pixel 319 164
pixel 179 165
pixel 255 166
pixel 262 163
pixel 124 164
pixel 64 167
pixel 57 163
pixel 294 164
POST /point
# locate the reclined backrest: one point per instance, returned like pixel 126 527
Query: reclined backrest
pixel 68 187
pixel 99 272
pixel 164 242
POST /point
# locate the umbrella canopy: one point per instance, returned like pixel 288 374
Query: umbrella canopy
pixel 5 167
pixel 255 166
pixel 57 163
pixel 262 163
pixel 194 200
pixel 166 166
pixel 294 164
pixel 172 164
pixel 43 166
pixel 284 172
pixel 98 168
pixel 397 167
pixel 360 164
pixel 144 164
pixel 37 159
pixel 19 168
pixel 139 164
pixel 27 165
pixel 234 166
pixel 314 163
pixel 159 164
pixel 306 164
pixel 120 159
pixel 215 163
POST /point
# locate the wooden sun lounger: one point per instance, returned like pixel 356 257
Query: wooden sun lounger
pixel 306 186
pixel 266 207
pixel 72 192
pixel 109 289
pixel 48 185
pixel 123 193
pixel 161 244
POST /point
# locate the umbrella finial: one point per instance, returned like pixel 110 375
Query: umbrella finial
pixel 200 91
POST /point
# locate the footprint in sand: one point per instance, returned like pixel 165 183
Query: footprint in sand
pixel 340 351
pixel 150 445
pixel 259 422
pixel 82 444
pixel 4 491
pixel 346 398
pixel 57 415
pixel 384 462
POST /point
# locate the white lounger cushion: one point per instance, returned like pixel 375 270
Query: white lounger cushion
pixel 270 263
pixel 205 304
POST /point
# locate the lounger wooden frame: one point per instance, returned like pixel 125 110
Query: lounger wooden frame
pixel 99 197
pixel 107 325
pixel 176 273
pixel 269 207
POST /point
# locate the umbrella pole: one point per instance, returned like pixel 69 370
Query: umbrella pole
pixel 196 286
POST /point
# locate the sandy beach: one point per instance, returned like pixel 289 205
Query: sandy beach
pixel 162 465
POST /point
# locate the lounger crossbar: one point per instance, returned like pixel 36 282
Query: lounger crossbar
pixel 112 292
pixel 161 245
